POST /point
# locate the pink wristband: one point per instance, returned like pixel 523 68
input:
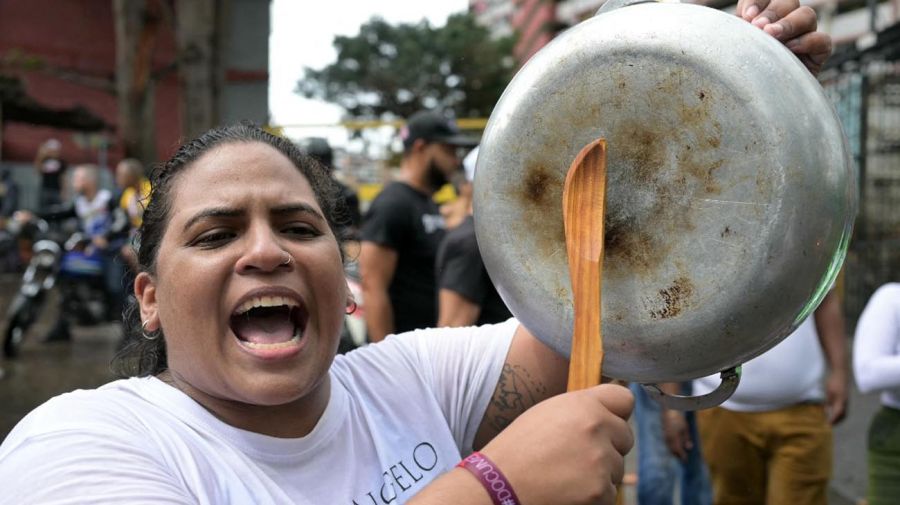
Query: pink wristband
pixel 491 478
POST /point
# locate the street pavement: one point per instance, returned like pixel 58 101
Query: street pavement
pixel 45 370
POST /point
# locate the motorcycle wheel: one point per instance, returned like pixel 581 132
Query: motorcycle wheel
pixel 14 336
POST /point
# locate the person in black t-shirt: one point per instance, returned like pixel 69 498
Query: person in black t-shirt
pixel 466 295
pixel 403 228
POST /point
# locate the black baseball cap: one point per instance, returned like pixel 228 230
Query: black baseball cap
pixel 432 126
pixel 320 149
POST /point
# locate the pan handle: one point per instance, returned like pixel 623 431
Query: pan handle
pixel 730 379
pixel 611 5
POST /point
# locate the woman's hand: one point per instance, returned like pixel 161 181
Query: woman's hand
pixel 569 449
pixel 676 433
pixel 792 24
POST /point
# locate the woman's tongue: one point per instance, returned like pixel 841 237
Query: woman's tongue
pixel 264 326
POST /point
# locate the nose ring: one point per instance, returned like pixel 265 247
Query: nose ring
pixel 289 260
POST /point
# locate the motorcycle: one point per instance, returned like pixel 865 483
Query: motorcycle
pixel 39 278
pixel 81 282
pixel 68 265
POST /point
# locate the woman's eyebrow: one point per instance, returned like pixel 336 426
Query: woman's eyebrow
pixel 213 212
pixel 229 212
pixel 296 208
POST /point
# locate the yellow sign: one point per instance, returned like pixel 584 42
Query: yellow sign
pixel 368 192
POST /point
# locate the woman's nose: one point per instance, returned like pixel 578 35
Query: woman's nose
pixel 263 253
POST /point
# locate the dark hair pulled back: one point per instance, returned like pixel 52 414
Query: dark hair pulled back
pixel 144 356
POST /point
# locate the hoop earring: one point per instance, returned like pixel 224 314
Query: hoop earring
pixel 351 307
pixel 153 335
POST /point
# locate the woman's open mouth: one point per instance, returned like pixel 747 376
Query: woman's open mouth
pixel 269 323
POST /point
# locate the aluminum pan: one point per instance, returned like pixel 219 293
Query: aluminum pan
pixel 730 189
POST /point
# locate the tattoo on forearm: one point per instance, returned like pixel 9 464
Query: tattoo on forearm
pixel 516 392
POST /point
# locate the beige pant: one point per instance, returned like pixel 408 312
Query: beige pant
pixel 782 457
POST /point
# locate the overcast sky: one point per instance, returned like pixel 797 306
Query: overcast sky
pixel 302 33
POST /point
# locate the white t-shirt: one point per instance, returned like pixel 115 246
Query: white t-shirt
pixel 787 374
pixel 401 413
pixel 94 214
pixel 876 347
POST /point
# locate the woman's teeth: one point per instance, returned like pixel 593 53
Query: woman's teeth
pixel 266 301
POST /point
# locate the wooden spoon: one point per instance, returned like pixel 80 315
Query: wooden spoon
pixel 584 205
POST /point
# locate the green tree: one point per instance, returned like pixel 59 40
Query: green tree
pixel 394 70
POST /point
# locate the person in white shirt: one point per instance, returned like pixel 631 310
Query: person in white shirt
pixel 771 441
pixel 876 366
pixel 105 224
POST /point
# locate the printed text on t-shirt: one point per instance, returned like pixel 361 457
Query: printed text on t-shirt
pixel 403 474
pixel 433 223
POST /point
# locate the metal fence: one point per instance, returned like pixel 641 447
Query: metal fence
pixel 866 95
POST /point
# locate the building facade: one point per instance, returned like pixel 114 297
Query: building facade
pixel 59 73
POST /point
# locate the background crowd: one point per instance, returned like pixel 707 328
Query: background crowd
pixel 419 267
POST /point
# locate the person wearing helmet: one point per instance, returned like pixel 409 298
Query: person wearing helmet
pixel 320 149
